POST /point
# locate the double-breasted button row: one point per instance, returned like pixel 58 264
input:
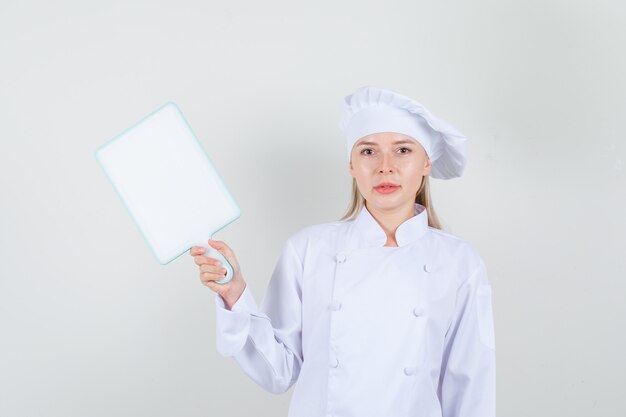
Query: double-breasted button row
pixel 340 257
pixel 410 370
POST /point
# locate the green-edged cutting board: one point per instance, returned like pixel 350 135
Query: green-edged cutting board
pixel 169 185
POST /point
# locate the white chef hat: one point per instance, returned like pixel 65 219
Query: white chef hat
pixel 373 110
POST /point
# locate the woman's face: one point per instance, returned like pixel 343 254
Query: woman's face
pixel 388 157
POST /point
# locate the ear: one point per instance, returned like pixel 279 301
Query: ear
pixel 427 167
pixel 351 168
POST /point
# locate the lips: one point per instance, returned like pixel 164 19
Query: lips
pixel 386 185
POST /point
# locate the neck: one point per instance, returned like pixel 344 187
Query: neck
pixel 390 219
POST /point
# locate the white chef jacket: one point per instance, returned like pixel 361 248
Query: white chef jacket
pixel 369 330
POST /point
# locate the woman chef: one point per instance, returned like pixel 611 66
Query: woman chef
pixel 379 314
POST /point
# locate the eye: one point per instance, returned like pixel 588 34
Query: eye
pixel 408 149
pixel 366 149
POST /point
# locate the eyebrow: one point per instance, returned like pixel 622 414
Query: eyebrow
pixel 398 142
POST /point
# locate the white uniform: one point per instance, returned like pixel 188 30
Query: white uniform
pixel 368 330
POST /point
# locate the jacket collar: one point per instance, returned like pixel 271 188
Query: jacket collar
pixel 372 234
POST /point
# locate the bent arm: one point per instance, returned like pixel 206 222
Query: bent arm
pixel 266 342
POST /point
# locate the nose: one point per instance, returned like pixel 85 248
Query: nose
pixel 385 164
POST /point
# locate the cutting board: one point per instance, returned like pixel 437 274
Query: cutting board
pixel 169 186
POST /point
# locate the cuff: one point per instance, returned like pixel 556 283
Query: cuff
pixel 233 326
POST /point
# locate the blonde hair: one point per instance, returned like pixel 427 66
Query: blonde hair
pixel 421 197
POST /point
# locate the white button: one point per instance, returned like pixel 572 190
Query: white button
pixel 334 362
pixel 340 257
pixel 335 305
pixel 418 311
pixel 428 268
pixel 409 370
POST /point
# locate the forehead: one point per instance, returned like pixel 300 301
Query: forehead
pixel 384 138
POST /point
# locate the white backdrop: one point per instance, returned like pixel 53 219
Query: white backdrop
pixel 92 325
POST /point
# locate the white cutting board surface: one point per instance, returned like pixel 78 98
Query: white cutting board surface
pixel 168 183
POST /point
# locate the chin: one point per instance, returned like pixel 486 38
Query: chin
pixel 388 201
pixel 385 201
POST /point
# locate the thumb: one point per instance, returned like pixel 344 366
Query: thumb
pixel 226 252
pixel 221 247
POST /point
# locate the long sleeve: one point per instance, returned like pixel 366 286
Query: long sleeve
pixel 467 386
pixel 266 342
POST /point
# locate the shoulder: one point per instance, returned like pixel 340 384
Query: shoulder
pixel 454 249
pixel 321 233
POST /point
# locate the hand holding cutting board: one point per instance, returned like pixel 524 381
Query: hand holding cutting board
pixel 211 269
